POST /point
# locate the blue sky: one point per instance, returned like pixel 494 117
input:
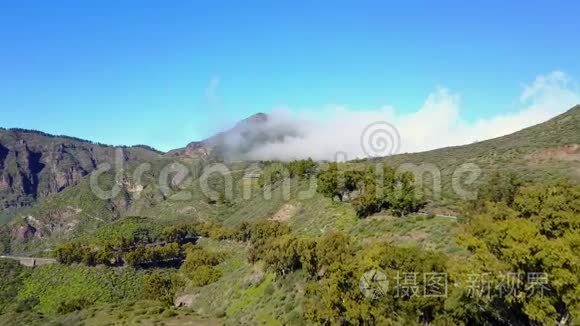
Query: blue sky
pixel 165 73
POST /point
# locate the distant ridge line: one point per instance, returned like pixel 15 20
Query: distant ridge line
pixel 42 133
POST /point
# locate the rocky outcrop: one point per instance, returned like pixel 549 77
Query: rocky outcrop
pixel 23 233
pixel 569 152
pixel 185 301
pixel 5 183
pixel 60 221
pixel 34 164
pixel 197 150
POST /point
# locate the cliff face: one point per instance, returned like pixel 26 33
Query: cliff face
pixel 34 165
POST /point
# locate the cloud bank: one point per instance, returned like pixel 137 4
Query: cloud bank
pixel 288 135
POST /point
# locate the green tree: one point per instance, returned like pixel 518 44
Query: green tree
pixel 281 254
pixel 338 180
pixel 328 183
pixel 199 266
pixel 161 286
pixel 178 233
pixel 369 201
pixel 73 252
pixel 302 168
pixel 403 198
pixel 333 247
pixel 538 236
pixel 205 275
pixel 336 299
pixel 308 258
pixel 273 173
pixel 263 233
pixel 137 256
pixel 243 232
pixel 501 188
pixel 198 257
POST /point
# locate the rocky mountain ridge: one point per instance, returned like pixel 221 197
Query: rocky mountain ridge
pixel 35 164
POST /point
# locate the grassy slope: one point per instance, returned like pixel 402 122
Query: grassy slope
pixel 133 313
pixel 242 294
pixel 54 283
pixel 508 153
pixel 246 294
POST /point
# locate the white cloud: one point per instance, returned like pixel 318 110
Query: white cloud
pixel 436 124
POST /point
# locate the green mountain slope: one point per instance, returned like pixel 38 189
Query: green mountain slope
pixel 548 150
pixel 248 291
pixel 545 151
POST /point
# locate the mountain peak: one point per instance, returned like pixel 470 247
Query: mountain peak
pixel 255 118
pixel 201 149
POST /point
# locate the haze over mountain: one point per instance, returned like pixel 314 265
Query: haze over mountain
pixel 328 132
